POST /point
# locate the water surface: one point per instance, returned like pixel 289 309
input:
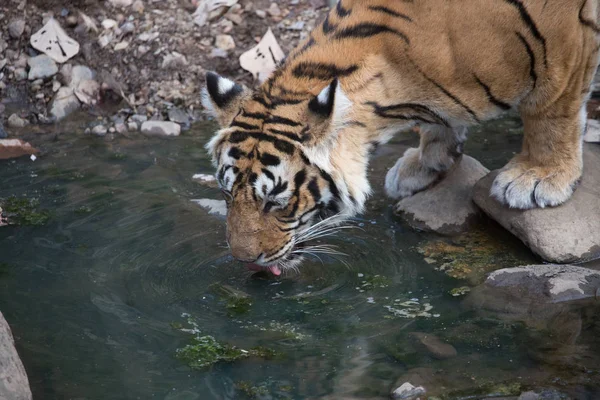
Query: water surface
pixel 100 297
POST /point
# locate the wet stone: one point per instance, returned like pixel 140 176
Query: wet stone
pixel 563 234
pixel 447 207
pixel 408 392
pixel 14 384
pixel 179 116
pixel 435 346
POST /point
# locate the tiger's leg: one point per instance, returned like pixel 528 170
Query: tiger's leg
pixel 439 149
pixel 550 164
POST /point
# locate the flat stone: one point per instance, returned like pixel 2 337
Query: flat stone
pixel 548 283
pixel 42 67
pixel 435 346
pixel 16 28
pixel 13 148
pixel 178 115
pixel 65 102
pixel 447 207
pixel 14 121
pixel 408 392
pixel 14 384
pixel 161 128
pixel 174 60
pixel 565 234
pixel 225 42
pixel 78 74
pixel 121 3
pixel 99 130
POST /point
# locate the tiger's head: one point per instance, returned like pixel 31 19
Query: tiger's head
pixel 273 156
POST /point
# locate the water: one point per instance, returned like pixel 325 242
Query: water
pixel 99 298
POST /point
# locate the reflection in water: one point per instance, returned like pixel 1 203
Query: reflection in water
pixel 96 296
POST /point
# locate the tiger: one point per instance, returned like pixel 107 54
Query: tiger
pixel 292 154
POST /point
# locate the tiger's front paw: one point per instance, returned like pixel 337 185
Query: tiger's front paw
pixel 522 186
pixel 408 176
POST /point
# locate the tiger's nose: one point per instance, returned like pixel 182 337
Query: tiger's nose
pixel 244 254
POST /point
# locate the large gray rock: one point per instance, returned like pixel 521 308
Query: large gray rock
pixel 65 102
pixel 565 234
pixel 161 128
pixel 13 148
pixel 447 207
pixel 41 67
pixel 549 283
pixel 14 384
pixel 592 133
pixel 406 391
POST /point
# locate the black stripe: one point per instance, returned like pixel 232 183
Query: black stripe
pixel 280 187
pixel 332 186
pixel 275 102
pixel 268 174
pixel 281 145
pixel 276 251
pixel 260 116
pixel 368 29
pixel 491 97
pixel 299 179
pixel 244 125
pixel 289 135
pixel 313 188
pixel 341 11
pixel 322 71
pixel 447 93
pixel 327 26
pixel 590 24
pixel 268 159
pixel 530 24
pixel 261 100
pixel 389 11
pixel 387 112
pixel 236 153
pixel 304 158
pixel 238 179
pixel 532 72
pixel 355 123
pixel 275 119
pixel 253 178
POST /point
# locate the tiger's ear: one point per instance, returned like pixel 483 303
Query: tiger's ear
pixel 327 111
pixel 223 97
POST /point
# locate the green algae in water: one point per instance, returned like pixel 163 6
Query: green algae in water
pixel 470 256
pixel 251 391
pixel 236 302
pixel 205 351
pixel 24 211
pixel 460 291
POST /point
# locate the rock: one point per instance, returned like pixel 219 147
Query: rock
pixel 138 118
pixel 128 27
pixel 78 74
pixel 296 26
pixel 108 24
pixel 274 10
pixel 65 102
pixel 14 384
pixel 87 91
pixel 161 128
pixel 138 6
pixel 132 126
pixel 120 127
pixel 564 234
pixel 408 392
pixel 178 115
pixel 14 121
pixel 260 14
pixel 121 46
pixel 235 18
pixel 529 396
pixel 52 40
pixel 121 3
pixel 16 28
pixel 99 130
pixel 548 283
pixel 41 66
pixel 435 346
pixel 206 180
pixel 13 148
pixel 20 74
pixel 447 207
pixel 225 42
pixel 174 60
pixel 592 134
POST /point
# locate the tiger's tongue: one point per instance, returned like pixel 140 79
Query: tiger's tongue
pixel 273 268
